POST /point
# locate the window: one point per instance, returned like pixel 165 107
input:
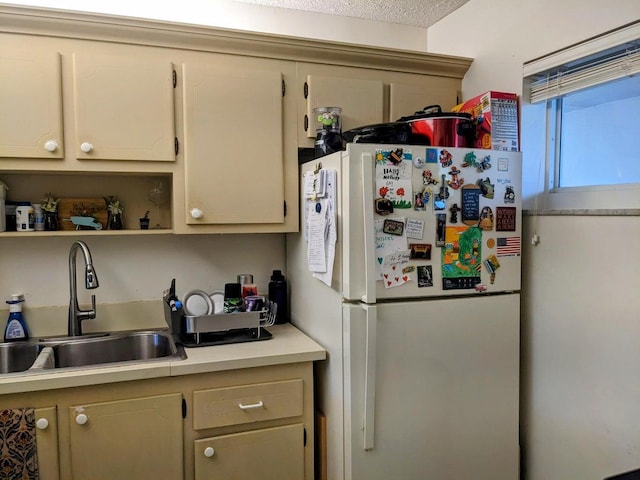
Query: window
pixel 581 124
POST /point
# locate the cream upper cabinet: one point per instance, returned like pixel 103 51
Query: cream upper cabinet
pixel 361 99
pixel 123 107
pixel 268 454
pixel 30 102
pixel 239 157
pixel 138 438
pixel 407 98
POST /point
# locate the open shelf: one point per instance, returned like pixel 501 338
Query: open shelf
pixel 132 190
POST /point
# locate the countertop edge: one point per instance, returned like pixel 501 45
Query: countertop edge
pixel 288 345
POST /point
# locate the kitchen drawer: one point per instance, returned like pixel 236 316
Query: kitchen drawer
pixel 268 454
pixel 247 404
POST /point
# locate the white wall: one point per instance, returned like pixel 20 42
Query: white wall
pixel 580 321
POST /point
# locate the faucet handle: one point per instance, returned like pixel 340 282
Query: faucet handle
pixel 88 314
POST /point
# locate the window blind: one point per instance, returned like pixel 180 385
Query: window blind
pixel 585 65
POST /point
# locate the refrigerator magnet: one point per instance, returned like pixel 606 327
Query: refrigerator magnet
pixel 421 251
pixel 445 159
pixel 441 223
pixel 509 194
pixel 427 178
pixel 456 180
pixel 470 195
pixel 383 206
pixel 393 227
pixel 439 201
pixel 454 209
pixel 414 228
pixel 505 219
pixel 486 187
pixel 425 276
pixel 486 219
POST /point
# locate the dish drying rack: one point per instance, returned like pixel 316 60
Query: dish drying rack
pixel 220 328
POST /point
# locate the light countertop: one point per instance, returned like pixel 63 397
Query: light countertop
pixel 288 345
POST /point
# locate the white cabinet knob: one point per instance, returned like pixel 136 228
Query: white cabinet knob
pixel 196 213
pixel 42 424
pixel 50 145
pixel 209 452
pixel 81 419
pixel 86 147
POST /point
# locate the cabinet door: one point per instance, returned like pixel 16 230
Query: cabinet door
pixel 405 99
pixel 47 443
pixel 123 108
pixel 269 454
pixel 136 438
pixel 234 164
pixel 30 102
pixel 361 100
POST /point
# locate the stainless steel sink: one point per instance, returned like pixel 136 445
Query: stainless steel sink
pixel 17 357
pixel 114 348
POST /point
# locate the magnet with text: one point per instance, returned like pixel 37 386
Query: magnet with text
pixel 421 251
pixel 470 204
pixel 506 219
pixel 414 228
pixel 393 227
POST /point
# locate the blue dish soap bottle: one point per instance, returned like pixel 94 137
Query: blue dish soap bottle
pixel 16 328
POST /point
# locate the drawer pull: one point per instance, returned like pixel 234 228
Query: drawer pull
pixel 252 405
pixel 209 452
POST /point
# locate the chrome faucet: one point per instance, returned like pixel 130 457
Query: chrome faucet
pixel 76 315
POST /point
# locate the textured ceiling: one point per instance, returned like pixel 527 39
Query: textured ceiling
pixel 420 13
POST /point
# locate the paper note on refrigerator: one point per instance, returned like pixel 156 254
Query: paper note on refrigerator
pixel 317 230
pixel 320 231
pixel 387 243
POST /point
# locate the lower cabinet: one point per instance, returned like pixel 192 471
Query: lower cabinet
pixel 47 443
pixel 268 454
pixel 244 424
pixel 139 438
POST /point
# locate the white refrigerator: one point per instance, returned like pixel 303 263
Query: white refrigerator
pixel 418 307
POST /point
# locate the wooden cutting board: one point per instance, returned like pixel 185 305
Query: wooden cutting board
pixel 95 207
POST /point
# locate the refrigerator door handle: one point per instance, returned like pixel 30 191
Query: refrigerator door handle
pixel 369 230
pixel 371 320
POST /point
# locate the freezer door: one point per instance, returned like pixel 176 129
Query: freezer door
pixel 463 232
pixel 445 399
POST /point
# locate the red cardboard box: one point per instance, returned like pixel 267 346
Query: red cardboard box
pixel 496 118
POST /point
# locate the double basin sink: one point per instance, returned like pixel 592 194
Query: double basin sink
pixel 88 351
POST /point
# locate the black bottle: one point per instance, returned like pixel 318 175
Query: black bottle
pixel 278 294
